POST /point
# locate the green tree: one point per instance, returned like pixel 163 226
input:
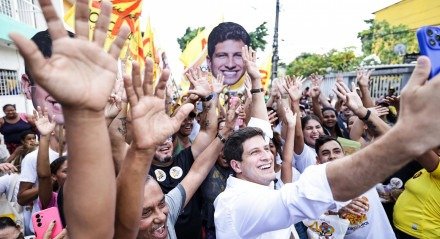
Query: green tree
pixel 257 37
pixel 381 38
pixel 332 61
pixel 188 36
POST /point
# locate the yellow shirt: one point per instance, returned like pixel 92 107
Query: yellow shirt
pixel 417 210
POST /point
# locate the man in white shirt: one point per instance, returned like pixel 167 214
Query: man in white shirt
pixel 249 209
pixel 366 214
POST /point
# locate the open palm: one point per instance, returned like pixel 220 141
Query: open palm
pixel 44 125
pixel 151 125
pixel 72 75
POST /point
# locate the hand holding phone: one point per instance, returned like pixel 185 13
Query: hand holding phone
pixel 41 221
pixel 429 45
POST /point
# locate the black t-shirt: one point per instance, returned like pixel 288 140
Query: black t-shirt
pixel 189 223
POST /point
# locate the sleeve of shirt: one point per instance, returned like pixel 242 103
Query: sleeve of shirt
pixel 28 170
pixel 175 200
pixel 305 159
pixel 309 197
pixel 5 180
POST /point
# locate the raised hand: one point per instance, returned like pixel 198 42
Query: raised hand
pixel 350 99
pixel 148 109
pixel 379 110
pixel 363 77
pixel 200 82
pixel 315 90
pixel 272 117
pixel 289 117
pixel 44 124
pixel 248 86
pixel 293 87
pixel 79 74
pixel 393 101
pixel 250 59
pixel 217 84
pixel 114 102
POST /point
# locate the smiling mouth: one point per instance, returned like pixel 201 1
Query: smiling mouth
pixel 265 166
pixel 160 232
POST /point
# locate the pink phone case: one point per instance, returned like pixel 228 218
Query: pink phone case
pixel 42 219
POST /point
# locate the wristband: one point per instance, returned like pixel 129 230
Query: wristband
pixel 367 116
pixel 207 98
pixel 254 91
pixel 221 138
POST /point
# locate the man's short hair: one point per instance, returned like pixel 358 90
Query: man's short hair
pixel 227 31
pixel 233 148
pixel 44 43
pixel 323 139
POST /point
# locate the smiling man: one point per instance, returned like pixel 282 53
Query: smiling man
pixel 224 51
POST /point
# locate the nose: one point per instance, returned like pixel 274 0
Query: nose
pixel 159 217
pixel 230 64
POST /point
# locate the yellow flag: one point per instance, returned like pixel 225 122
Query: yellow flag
pixel 124 12
pixel 150 49
pixel 195 51
pixel 266 72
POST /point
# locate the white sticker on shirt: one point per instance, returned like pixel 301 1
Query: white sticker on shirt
pixel 176 172
pixel 160 175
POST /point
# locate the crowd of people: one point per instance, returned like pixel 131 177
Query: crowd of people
pixel 136 162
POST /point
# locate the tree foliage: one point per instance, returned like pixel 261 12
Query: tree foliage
pixel 381 38
pixel 332 61
pixel 257 37
pixel 188 36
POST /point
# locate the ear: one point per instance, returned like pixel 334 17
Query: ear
pixel 317 160
pixel 236 166
pixel 26 86
pixel 54 178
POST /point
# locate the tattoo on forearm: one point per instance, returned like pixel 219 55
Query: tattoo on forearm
pixel 123 127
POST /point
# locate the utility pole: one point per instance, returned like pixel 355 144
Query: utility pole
pixel 275 57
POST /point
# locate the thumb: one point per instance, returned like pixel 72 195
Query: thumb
pixel 181 115
pixel 420 73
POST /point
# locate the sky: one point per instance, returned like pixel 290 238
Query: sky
pixel 314 26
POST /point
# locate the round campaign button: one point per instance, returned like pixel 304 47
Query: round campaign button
pixel 160 175
pixel 176 172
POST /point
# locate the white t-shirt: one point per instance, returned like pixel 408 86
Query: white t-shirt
pixel 374 225
pixel 305 159
pixel 29 173
pixel 249 210
pixel 6 182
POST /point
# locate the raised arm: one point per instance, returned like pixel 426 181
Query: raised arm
pixel 148 111
pixel 315 93
pixel 206 160
pixel 363 79
pixel 208 125
pixel 286 168
pixel 46 127
pixel 354 103
pixel 80 75
pixel 258 107
pixel 415 133
pixel 293 87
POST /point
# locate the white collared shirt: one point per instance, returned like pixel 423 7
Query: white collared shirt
pixel 250 210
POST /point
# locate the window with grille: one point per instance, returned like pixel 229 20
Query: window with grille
pixel 6 7
pixel 9 82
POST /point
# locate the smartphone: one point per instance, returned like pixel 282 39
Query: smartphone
pixel 42 219
pixel 429 45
